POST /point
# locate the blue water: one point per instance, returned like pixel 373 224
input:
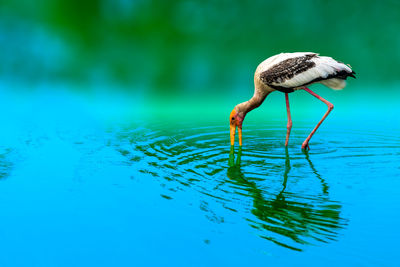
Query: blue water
pixel 75 191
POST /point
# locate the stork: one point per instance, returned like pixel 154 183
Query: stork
pixel 289 72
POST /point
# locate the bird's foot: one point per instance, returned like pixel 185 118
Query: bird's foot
pixel 305 146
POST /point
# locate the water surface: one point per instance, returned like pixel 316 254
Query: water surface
pixel 88 195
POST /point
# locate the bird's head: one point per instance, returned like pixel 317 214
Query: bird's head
pixel 236 121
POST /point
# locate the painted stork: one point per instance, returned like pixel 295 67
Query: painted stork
pixel 288 72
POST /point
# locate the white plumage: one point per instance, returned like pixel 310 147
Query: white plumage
pixel 324 67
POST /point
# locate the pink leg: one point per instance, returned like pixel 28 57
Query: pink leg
pixel 289 124
pixel 330 107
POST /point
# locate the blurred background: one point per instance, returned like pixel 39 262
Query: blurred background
pixel 174 57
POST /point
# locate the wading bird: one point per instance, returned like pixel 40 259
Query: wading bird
pixel 288 72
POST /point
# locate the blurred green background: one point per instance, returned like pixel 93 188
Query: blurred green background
pixel 181 56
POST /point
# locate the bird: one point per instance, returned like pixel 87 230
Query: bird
pixel 287 73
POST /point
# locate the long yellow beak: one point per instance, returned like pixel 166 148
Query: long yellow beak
pixel 240 136
pixel 233 131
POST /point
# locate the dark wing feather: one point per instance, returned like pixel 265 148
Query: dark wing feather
pixel 286 70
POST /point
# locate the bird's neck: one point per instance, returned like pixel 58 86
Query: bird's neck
pixel 254 102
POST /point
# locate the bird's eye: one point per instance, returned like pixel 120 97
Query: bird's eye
pixel 233 118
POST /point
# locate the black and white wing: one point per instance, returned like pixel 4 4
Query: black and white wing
pixel 287 72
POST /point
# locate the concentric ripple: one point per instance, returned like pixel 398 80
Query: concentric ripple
pixel 280 193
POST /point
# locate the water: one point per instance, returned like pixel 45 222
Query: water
pixel 256 190
pixel 149 193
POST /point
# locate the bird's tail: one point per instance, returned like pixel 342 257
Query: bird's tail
pixel 334 83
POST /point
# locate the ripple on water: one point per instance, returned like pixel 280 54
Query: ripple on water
pixel 279 192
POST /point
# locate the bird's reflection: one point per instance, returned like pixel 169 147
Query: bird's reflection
pixel 286 218
pixel 325 186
